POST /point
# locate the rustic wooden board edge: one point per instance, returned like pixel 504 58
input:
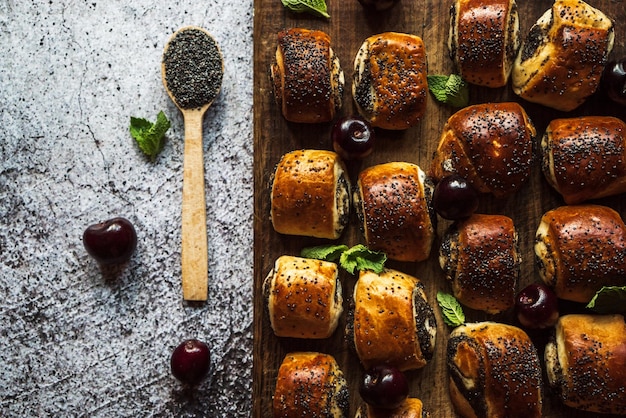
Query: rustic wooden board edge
pixel 269 17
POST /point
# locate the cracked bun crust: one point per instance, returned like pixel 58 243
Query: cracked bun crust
pixel 560 63
pixel 586 362
pixel 494 372
pixel 304 298
pixel 310 194
pixel 584 158
pixel 581 248
pixel 390 87
pixel 484 39
pixel 391 321
pixel 480 255
pixel 393 202
pixel 310 384
pixel 490 145
pixel 307 78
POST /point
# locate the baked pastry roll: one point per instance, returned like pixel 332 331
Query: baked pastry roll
pixel 310 194
pixel 480 256
pixel 490 145
pixel 310 384
pixel 391 321
pixel 484 39
pixel 394 204
pixel 581 248
pixel 586 362
pixel 307 78
pixel 585 157
pixel 390 87
pixel 560 63
pixel 304 298
pixel 410 408
pixel 494 372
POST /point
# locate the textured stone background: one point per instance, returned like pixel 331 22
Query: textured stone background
pixel 76 340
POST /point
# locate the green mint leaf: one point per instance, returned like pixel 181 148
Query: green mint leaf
pixel 150 137
pixel 457 91
pixel 451 90
pixel 352 259
pixel 324 252
pixel 451 309
pixel 437 86
pixel 315 7
pixel 360 257
pixel 609 300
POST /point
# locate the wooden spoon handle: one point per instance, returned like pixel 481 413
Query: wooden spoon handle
pixel 194 251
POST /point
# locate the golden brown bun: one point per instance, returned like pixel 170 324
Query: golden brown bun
pixel 310 194
pixel 585 157
pixel 484 39
pixel 410 408
pixel 304 297
pixel 393 202
pixel 306 76
pixel 480 255
pixel 490 145
pixel 560 63
pixel 310 384
pixel 586 362
pixel 581 248
pixel 494 372
pixel 392 322
pixel 390 87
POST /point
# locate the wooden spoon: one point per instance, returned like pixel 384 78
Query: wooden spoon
pixel 192 70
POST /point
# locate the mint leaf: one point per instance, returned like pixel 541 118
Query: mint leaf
pixel 324 252
pixel 150 136
pixel 451 90
pixel 358 257
pixel 315 7
pixel 609 300
pixel 437 86
pixel 451 309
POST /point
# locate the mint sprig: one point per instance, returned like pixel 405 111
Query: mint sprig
pixel 358 257
pixel 451 90
pixel 451 309
pixel 315 7
pixel 609 300
pixel 150 137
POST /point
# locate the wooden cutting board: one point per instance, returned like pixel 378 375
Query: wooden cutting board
pixel 348 27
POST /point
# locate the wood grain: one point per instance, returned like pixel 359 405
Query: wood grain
pixel 273 136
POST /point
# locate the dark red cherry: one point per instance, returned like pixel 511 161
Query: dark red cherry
pixel 111 242
pixel 190 361
pixel 455 198
pixel 378 5
pixel 353 137
pixel 384 387
pixel 614 81
pixel 537 306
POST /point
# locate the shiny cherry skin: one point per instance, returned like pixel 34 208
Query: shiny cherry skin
pixel 378 5
pixel 353 138
pixel 614 81
pixel 190 361
pixel 111 242
pixel 455 198
pixel 384 386
pixel 536 306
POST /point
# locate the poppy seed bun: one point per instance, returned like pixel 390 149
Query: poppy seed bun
pixel 560 63
pixel 390 88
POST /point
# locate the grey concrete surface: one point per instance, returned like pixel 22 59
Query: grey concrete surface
pixel 77 340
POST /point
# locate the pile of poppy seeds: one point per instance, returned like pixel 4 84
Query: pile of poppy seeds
pixel 193 68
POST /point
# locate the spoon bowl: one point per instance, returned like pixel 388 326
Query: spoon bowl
pixel 192 69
